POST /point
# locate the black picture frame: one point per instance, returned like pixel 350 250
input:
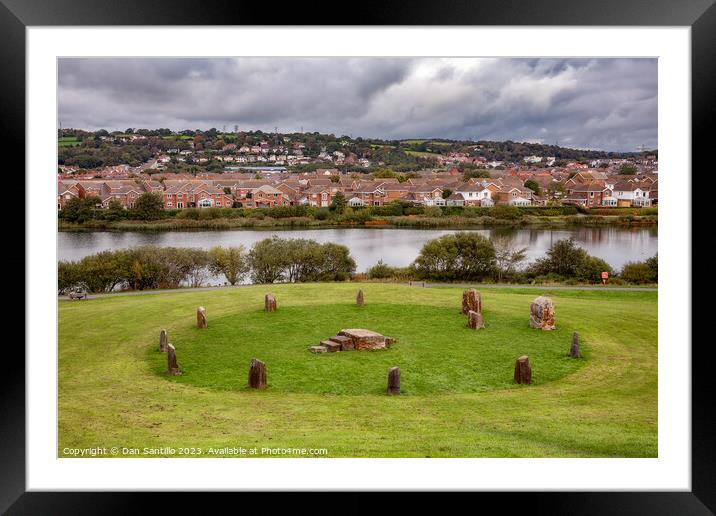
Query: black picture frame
pixel 16 15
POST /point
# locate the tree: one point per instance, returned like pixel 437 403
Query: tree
pixel 532 185
pixel 339 203
pixel 268 260
pixel 627 169
pixel 507 256
pixel 555 189
pixel 565 258
pixel 477 173
pixel 115 211
pixel 447 192
pixel 384 173
pixel 149 206
pixel 232 262
pixel 79 210
pixel 641 272
pixel 459 256
pixel 337 264
pixel 295 260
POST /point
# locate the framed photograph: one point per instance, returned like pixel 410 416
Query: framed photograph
pixel 417 250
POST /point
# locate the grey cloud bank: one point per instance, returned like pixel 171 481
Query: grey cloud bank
pixel 606 104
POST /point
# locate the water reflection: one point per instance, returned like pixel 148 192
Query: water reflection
pixel 397 247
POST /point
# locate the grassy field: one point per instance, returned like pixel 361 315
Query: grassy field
pixel 458 398
pixel 429 142
pixel 68 141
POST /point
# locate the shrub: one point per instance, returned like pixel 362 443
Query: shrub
pixel 459 256
pixel 380 270
pixel 433 211
pixel 503 211
pixel 148 206
pixel 79 210
pixel 322 213
pixel 297 260
pixel 641 272
pixel 232 262
pixel 189 213
pixel 140 268
pixel 569 261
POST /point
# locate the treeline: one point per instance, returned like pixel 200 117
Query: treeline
pixel 97 154
pixel 472 257
pixel 149 206
pixel 150 267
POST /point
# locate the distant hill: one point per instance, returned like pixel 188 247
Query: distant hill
pixel 89 149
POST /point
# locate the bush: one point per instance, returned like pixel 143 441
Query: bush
pixel 433 211
pixel 383 271
pixel 232 262
pixel 189 213
pixel 641 272
pixel 148 206
pixel 322 213
pixel 140 268
pixel 79 210
pixel 569 261
pixel 456 257
pixel 298 260
pixel 503 211
pixel 380 270
pixel 591 269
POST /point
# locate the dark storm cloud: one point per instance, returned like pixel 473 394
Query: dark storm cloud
pixel 606 104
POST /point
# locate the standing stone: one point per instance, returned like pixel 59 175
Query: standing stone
pixel 269 303
pixel 574 349
pixel 359 298
pixel 394 380
pixel 172 366
pixel 471 301
pixel 257 374
pixel 542 313
pixel 523 371
pixel 163 341
pixel 201 317
pixel 475 320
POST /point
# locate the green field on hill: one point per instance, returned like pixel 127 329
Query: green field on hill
pixel 458 397
pixel 68 141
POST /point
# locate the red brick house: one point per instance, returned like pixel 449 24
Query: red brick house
pixel 125 192
pixel 589 195
pixel 267 196
pixel 68 191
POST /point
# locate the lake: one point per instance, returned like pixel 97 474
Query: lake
pixel 395 246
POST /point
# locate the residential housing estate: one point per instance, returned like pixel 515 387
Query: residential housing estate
pixel 439 187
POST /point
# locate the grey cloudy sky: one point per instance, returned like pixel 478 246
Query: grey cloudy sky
pixel 608 104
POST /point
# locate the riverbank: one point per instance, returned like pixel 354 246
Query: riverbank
pixel 405 221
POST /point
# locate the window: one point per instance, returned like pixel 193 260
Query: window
pixel 180 205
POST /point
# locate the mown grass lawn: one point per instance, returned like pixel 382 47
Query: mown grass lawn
pixel 458 397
